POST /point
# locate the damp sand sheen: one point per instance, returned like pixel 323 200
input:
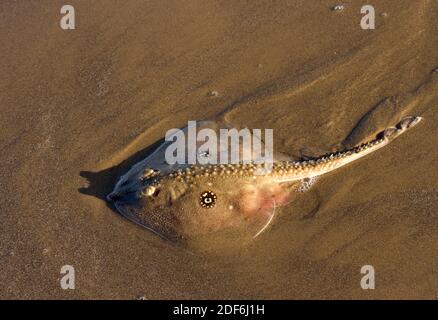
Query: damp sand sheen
pixel 79 108
pixel 230 202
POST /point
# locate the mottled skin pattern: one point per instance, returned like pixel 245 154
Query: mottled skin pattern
pixel 245 196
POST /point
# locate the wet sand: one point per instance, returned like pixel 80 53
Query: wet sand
pixel 79 107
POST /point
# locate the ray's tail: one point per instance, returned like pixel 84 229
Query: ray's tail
pixel 338 159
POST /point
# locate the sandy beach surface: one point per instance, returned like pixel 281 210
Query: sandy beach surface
pixel 79 107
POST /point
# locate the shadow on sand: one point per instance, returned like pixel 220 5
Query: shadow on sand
pixel 101 183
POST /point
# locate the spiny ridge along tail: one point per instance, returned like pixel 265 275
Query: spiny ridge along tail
pixel 338 159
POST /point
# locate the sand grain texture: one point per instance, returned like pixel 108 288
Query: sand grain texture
pixel 79 107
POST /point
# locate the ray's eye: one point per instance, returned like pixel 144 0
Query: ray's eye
pixel 208 199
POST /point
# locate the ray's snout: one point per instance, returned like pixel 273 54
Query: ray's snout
pixel 122 196
pixel 124 192
pixel 133 186
pixel 117 196
pixel 113 196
